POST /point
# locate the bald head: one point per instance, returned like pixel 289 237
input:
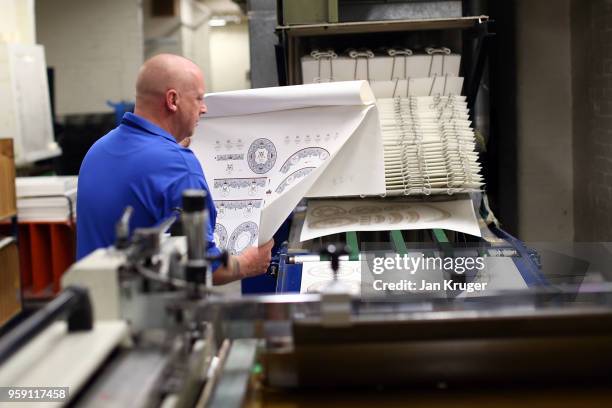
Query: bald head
pixel 165 71
pixel 170 92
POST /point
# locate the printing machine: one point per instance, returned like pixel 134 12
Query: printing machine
pixel 289 254
pixel 145 328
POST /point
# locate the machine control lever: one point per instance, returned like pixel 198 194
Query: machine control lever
pixel 334 252
pixel 195 224
pixel 195 221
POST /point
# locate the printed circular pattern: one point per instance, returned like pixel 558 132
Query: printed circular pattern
pixel 292 178
pixel 377 218
pixel 328 211
pixel 308 157
pixel 418 212
pixel 365 210
pixel 395 218
pixel 326 271
pixel 333 222
pixel 411 216
pixel 243 236
pixel 220 235
pixel 354 287
pixel 431 213
pixel 261 156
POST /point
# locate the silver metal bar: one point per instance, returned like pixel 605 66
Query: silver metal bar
pixel 234 377
pixel 131 380
pixel 273 310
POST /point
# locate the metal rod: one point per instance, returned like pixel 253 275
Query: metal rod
pixel 73 302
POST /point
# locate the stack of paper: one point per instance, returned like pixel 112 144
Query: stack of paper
pixel 392 73
pixel 329 66
pixel 429 146
pixel 50 199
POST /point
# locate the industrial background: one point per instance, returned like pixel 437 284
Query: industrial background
pixel 536 93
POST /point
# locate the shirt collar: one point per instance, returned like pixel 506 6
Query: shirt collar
pixel 130 119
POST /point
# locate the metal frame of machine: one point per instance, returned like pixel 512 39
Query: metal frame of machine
pixel 190 346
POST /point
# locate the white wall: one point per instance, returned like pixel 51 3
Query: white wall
pixel 186 34
pixel 96 48
pixel 221 52
pixel 544 103
pixel 161 34
pixel 195 34
pixel 17 21
pixel 229 57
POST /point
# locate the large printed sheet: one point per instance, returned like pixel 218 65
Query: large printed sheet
pixel 325 217
pixel 263 150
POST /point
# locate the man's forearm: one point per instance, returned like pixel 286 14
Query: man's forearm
pixel 228 274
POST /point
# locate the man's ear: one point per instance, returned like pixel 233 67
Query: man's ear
pixel 172 100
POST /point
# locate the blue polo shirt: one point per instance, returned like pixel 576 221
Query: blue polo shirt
pixel 137 164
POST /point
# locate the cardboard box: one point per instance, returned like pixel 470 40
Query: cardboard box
pixel 10 287
pixel 8 204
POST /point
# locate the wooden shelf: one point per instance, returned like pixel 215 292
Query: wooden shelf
pixel 10 281
pixel 10 276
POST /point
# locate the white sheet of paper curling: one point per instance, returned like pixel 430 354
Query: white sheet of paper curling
pixel 281 144
pixel 332 217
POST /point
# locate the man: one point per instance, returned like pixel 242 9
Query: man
pixel 145 163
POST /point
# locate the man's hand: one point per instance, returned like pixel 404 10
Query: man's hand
pixel 251 262
pixel 254 261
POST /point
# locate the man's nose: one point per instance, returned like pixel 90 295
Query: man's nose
pixel 203 109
